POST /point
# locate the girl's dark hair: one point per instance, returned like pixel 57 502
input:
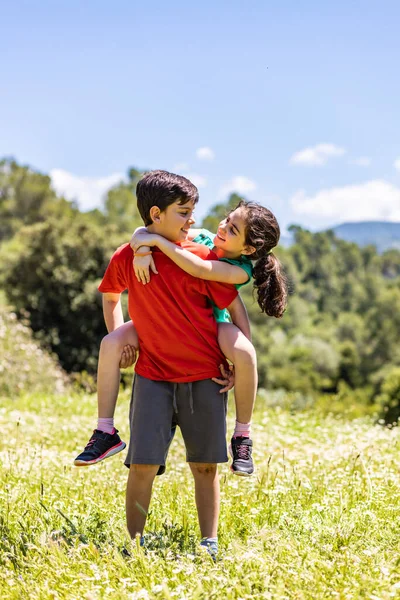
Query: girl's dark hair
pixel 262 232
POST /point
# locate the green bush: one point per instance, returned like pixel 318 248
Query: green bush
pixel 24 364
pixel 388 397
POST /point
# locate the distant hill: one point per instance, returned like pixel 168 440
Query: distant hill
pixel 382 234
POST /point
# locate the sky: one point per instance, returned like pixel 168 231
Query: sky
pixel 294 104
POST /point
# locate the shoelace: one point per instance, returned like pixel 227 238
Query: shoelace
pixel 91 442
pixel 243 451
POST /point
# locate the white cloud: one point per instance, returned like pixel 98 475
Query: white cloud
pixel 397 164
pixel 87 191
pixel 316 155
pixel 239 184
pixel 362 161
pixel 198 180
pixel 369 201
pixel 205 153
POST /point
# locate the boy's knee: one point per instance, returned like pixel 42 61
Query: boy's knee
pixel 143 471
pixel 203 469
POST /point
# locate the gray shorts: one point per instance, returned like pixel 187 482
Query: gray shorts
pixel 157 407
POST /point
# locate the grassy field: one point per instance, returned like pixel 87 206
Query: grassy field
pixel 320 519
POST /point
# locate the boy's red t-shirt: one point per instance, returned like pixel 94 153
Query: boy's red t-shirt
pixel 172 314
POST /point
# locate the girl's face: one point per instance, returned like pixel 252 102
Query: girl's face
pixel 231 235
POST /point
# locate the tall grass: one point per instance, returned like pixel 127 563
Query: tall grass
pixel 320 519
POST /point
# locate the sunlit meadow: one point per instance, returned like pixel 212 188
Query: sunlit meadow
pixel 320 519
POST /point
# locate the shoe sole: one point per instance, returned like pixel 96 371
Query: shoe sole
pixel 238 473
pixel 86 463
pixel 241 473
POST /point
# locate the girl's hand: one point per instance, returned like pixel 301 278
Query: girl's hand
pixel 228 378
pixel 141 266
pixel 143 238
pixel 128 357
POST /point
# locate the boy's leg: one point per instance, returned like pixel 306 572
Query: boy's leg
pixel 138 494
pixel 240 351
pixel 206 484
pixel 152 428
pixel 202 419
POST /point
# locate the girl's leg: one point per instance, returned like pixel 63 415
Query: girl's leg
pixel 240 351
pixel 105 440
pixel 108 371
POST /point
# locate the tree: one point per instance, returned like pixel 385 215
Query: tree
pixel 26 197
pixel 52 272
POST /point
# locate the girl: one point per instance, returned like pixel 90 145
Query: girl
pixel 243 244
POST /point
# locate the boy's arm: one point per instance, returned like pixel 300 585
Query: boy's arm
pixel 239 316
pixel 112 311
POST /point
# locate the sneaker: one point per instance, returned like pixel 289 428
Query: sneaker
pixel 240 450
pixel 101 445
pixel 211 547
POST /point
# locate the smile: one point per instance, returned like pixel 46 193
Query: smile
pixel 221 238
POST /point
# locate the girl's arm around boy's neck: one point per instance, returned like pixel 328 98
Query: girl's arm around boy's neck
pixel 212 270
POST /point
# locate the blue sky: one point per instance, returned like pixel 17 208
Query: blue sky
pixel 294 104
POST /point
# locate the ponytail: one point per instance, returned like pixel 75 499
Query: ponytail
pixel 270 284
pixel 262 235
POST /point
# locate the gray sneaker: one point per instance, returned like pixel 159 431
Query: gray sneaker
pixel 241 449
pixel 210 546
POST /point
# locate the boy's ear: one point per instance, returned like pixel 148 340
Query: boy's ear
pixel 155 214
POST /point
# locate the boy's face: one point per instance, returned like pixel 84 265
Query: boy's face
pixel 174 222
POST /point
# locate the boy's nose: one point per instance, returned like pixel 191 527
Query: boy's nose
pixel 191 220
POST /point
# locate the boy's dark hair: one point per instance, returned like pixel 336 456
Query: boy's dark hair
pixel 161 188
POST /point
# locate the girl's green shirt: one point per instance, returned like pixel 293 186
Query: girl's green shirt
pixel 206 238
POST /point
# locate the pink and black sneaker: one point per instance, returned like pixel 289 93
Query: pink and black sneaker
pixel 241 449
pixel 100 446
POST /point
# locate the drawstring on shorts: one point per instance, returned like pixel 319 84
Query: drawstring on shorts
pixel 174 403
pixel 191 397
pixel 191 401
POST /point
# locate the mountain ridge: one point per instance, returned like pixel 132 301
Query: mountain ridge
pixel 384 235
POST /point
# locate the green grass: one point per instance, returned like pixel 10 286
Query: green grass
pixel 319 520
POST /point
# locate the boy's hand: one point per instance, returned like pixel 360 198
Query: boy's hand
pixel 141 266
pixel 228 378
pixel 128 357
pixel 143 238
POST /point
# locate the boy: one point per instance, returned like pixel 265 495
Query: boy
pixel 179 356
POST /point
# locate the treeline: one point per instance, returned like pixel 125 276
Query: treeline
pixel 339 334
